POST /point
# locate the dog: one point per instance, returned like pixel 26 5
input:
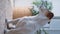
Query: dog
pixel 30 24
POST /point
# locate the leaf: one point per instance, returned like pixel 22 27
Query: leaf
pixel 37 3
pixel 39 31
pixel 45 31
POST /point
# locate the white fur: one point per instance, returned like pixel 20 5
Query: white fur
pixel 29 25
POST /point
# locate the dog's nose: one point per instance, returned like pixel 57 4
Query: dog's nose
pixel 49 14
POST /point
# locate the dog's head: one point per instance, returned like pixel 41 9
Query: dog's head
pixel 47 13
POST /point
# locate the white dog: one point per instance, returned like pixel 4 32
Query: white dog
pixel 30 24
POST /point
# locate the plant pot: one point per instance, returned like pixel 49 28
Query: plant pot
pixel 19 12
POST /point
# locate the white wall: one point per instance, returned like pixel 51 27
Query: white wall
pixel 23 2
pixel 56 7
pixel 2 16
pixel 9 11
pixel 5 12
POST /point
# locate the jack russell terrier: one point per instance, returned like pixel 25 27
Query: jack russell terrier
pixel 30 24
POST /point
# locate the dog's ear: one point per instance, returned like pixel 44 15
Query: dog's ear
pixel 49 14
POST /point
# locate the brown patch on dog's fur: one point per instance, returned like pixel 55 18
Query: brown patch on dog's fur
pixel 49 14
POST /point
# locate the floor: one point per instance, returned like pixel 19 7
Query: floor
pixel 54 27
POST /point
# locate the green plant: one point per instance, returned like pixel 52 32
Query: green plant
pixel 34 12
pixel 39 31
pixel 45 31
pixel 48 5
pixel 37 2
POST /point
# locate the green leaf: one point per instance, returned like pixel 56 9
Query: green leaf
pixel 39 31
pixel 45 31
